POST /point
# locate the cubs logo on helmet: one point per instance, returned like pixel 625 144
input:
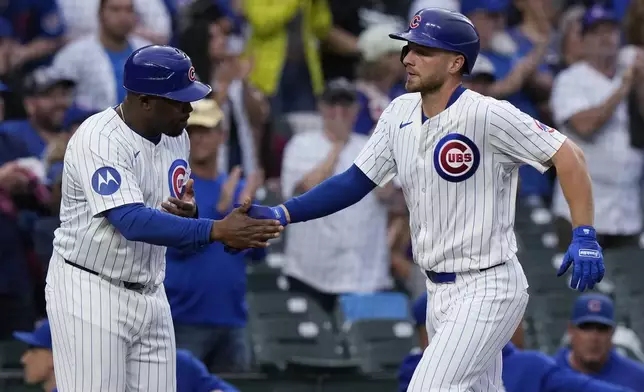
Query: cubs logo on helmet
pixel 178 176
pixel 456 157
pixel 415 22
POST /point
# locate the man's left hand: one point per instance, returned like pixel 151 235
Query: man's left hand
pixel 186 206
pixel 585 256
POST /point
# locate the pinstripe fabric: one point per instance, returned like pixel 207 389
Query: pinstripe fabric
pixel 108 338
pixel 469 322
pixel 459 174
pixel 85 237
pixel 458 226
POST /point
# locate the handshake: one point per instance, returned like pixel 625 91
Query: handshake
pixel 250 226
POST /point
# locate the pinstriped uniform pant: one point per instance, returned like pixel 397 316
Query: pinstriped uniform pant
pixel 108 338
pixel 468 323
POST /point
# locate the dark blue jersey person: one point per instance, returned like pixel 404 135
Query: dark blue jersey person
pixel 206 287
pixel 591 350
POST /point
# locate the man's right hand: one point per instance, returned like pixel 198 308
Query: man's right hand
pixel 239 231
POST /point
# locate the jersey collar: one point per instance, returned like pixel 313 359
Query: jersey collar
pixel 455 95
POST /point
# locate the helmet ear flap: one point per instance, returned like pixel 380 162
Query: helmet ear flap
pixel 403 52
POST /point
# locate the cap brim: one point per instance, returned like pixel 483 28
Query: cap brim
pixel 195 92
pixel 594 319
pixel 28 338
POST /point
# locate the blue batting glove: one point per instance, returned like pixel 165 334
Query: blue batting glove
pixel 259 211
pixel 585 255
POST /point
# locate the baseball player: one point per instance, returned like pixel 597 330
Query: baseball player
pixel 126 197
pixel 456 154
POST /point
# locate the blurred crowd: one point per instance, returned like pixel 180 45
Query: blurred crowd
pixel 298 86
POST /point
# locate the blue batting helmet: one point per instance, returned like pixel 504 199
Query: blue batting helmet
pixel 163 71
pixel 443 29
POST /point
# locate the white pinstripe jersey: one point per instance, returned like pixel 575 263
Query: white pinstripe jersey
pixel 108 165
pixel 459 174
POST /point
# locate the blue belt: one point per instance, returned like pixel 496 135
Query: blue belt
pixel 449 277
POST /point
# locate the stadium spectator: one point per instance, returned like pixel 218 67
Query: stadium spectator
pixel 37 31
pixel 634 35
pixel 378 71
pixel 345 252
pixel 283 42
pixel 47 96
pixel 38 362
pixel 16 306
pixel 340 54
pixel 535 29
pixel 570 48
pixel 523 370
pixel 96 61
pixel 591 350
pixel 589 104
pixel 246 110
pixel 82 18
pixel 516 57
pixel 206 289
pixel 482 77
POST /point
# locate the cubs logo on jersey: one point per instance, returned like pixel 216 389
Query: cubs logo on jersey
pixel 456 157
pixel 178 176
pixel 106 180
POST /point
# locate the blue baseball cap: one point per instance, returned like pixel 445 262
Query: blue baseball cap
pixel 595 15
pixel 76 115
pixel 420 310
pixel 496 6
pixel 40 337
pixel 593 308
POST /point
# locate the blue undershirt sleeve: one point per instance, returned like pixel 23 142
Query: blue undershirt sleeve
pixel 136 222
pixel 330 196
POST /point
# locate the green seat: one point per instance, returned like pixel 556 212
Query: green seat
pixel 10 353
pixel 380 345
pixel 286 305
pixel 296 346
pixel 261 278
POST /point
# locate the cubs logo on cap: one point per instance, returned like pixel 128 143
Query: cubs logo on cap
pixel 456 157
pixel 191 74
pixel 594 306
pixel 178 176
